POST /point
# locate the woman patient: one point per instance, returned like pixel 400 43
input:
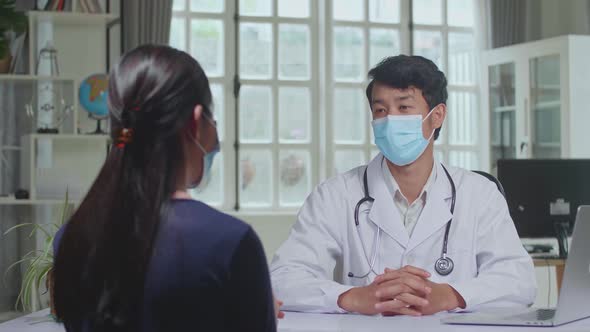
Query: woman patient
pixel 139 254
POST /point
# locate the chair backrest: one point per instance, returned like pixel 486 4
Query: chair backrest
pixel 493 179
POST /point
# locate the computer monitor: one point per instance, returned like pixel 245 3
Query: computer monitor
pixel 543 193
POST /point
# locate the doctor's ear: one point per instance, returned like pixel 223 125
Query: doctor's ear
pixel 439 113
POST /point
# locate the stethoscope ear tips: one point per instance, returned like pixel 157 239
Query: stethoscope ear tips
pixel 350 275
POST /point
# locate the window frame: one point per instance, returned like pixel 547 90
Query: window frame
pixel 322 146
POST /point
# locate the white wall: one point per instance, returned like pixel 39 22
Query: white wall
pixel 273 229
pixel 551 18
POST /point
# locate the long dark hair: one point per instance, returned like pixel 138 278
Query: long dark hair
pixel 99 271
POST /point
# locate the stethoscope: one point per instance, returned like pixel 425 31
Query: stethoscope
pixel 443 266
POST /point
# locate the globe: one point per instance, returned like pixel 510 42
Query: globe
pixel 93 98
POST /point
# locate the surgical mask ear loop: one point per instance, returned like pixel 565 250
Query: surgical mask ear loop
pixel 426 117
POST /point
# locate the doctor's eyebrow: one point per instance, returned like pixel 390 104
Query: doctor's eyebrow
pixel 377 101
pixel 404 97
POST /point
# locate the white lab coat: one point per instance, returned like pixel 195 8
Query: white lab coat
pixel 309 271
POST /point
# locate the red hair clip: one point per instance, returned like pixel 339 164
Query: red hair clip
pixel 125 137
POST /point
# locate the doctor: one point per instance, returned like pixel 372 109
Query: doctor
pixel 404 235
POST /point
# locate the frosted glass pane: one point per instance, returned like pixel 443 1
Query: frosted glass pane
pixel 384 11
pixel 256 178
pixel 429 45
pixel 384 43
pixel 207 6
pixel 212 192
pixel 427 11
pixel 348 54
pixel 179 5
pixel 348 10
pixel 460 13
pixel 255 114
pixel 218 109
pixel 294 177
pixel 461 58
pixel 255 50
pixel 255 7
pixel 349 116
pixel 207 45
pixel 294 52
pixel 544 76
pixel 178 33
pixel 439 156
pixel 463 121
pixel 294 115
pixel 374 153
pixel 464 159
pixel 290 8
pixel 345 160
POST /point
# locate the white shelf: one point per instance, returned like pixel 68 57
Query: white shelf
pixel 10 148
pixel 547 105
pixel 73 18
pixel 14 201
pixel 34 78
pixel 70 137
pixel 511 108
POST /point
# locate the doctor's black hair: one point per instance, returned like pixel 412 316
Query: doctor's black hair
pixel 403 71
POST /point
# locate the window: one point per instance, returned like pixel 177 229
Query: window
pixel 301 79
pixel 360 34
pixel 204 28
pixel 443 31
pixel 277 103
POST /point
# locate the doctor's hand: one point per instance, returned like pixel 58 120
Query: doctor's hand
pixel 403 283
pixel 442 298
pixel 403 292
pixel 278 304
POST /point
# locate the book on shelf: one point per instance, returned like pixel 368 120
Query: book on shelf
pixel 55 5
pixel 90 6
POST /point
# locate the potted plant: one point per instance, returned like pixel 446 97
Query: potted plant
pixel 10 20
pixel 38 262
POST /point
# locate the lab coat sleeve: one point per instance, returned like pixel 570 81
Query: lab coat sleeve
pixel 302 269
pixel 506 275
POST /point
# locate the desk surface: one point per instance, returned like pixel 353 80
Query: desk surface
pixel 299 322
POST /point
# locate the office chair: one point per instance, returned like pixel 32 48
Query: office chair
pixel 493 179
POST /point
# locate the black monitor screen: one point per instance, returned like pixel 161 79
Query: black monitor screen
pixel 541 193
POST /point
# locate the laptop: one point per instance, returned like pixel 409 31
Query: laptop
pixel 572 304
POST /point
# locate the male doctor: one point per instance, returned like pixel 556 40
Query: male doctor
pixel 395 260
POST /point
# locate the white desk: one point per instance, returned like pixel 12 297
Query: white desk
pixel 298 322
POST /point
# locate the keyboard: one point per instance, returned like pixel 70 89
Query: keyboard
pixel 537 315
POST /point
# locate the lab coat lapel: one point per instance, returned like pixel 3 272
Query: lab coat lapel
pixel 436 212
pixel 384 213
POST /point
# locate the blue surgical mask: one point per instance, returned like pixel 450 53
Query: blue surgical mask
pixel 207 164
pixel 400 138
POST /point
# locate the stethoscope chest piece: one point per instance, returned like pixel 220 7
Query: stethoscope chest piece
pixel 444 266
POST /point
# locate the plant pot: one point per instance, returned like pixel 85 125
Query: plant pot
pixel 5 64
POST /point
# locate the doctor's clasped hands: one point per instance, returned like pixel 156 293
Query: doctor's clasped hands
pixel 406 291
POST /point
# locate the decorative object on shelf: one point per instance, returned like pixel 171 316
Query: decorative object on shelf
pixel 93 97
pixel 39 262
pixel 10 20
pixel 248 172
pixel 48 57
pixel 52 109
pixel 21 194
pixel 90 6
pixel 292 170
